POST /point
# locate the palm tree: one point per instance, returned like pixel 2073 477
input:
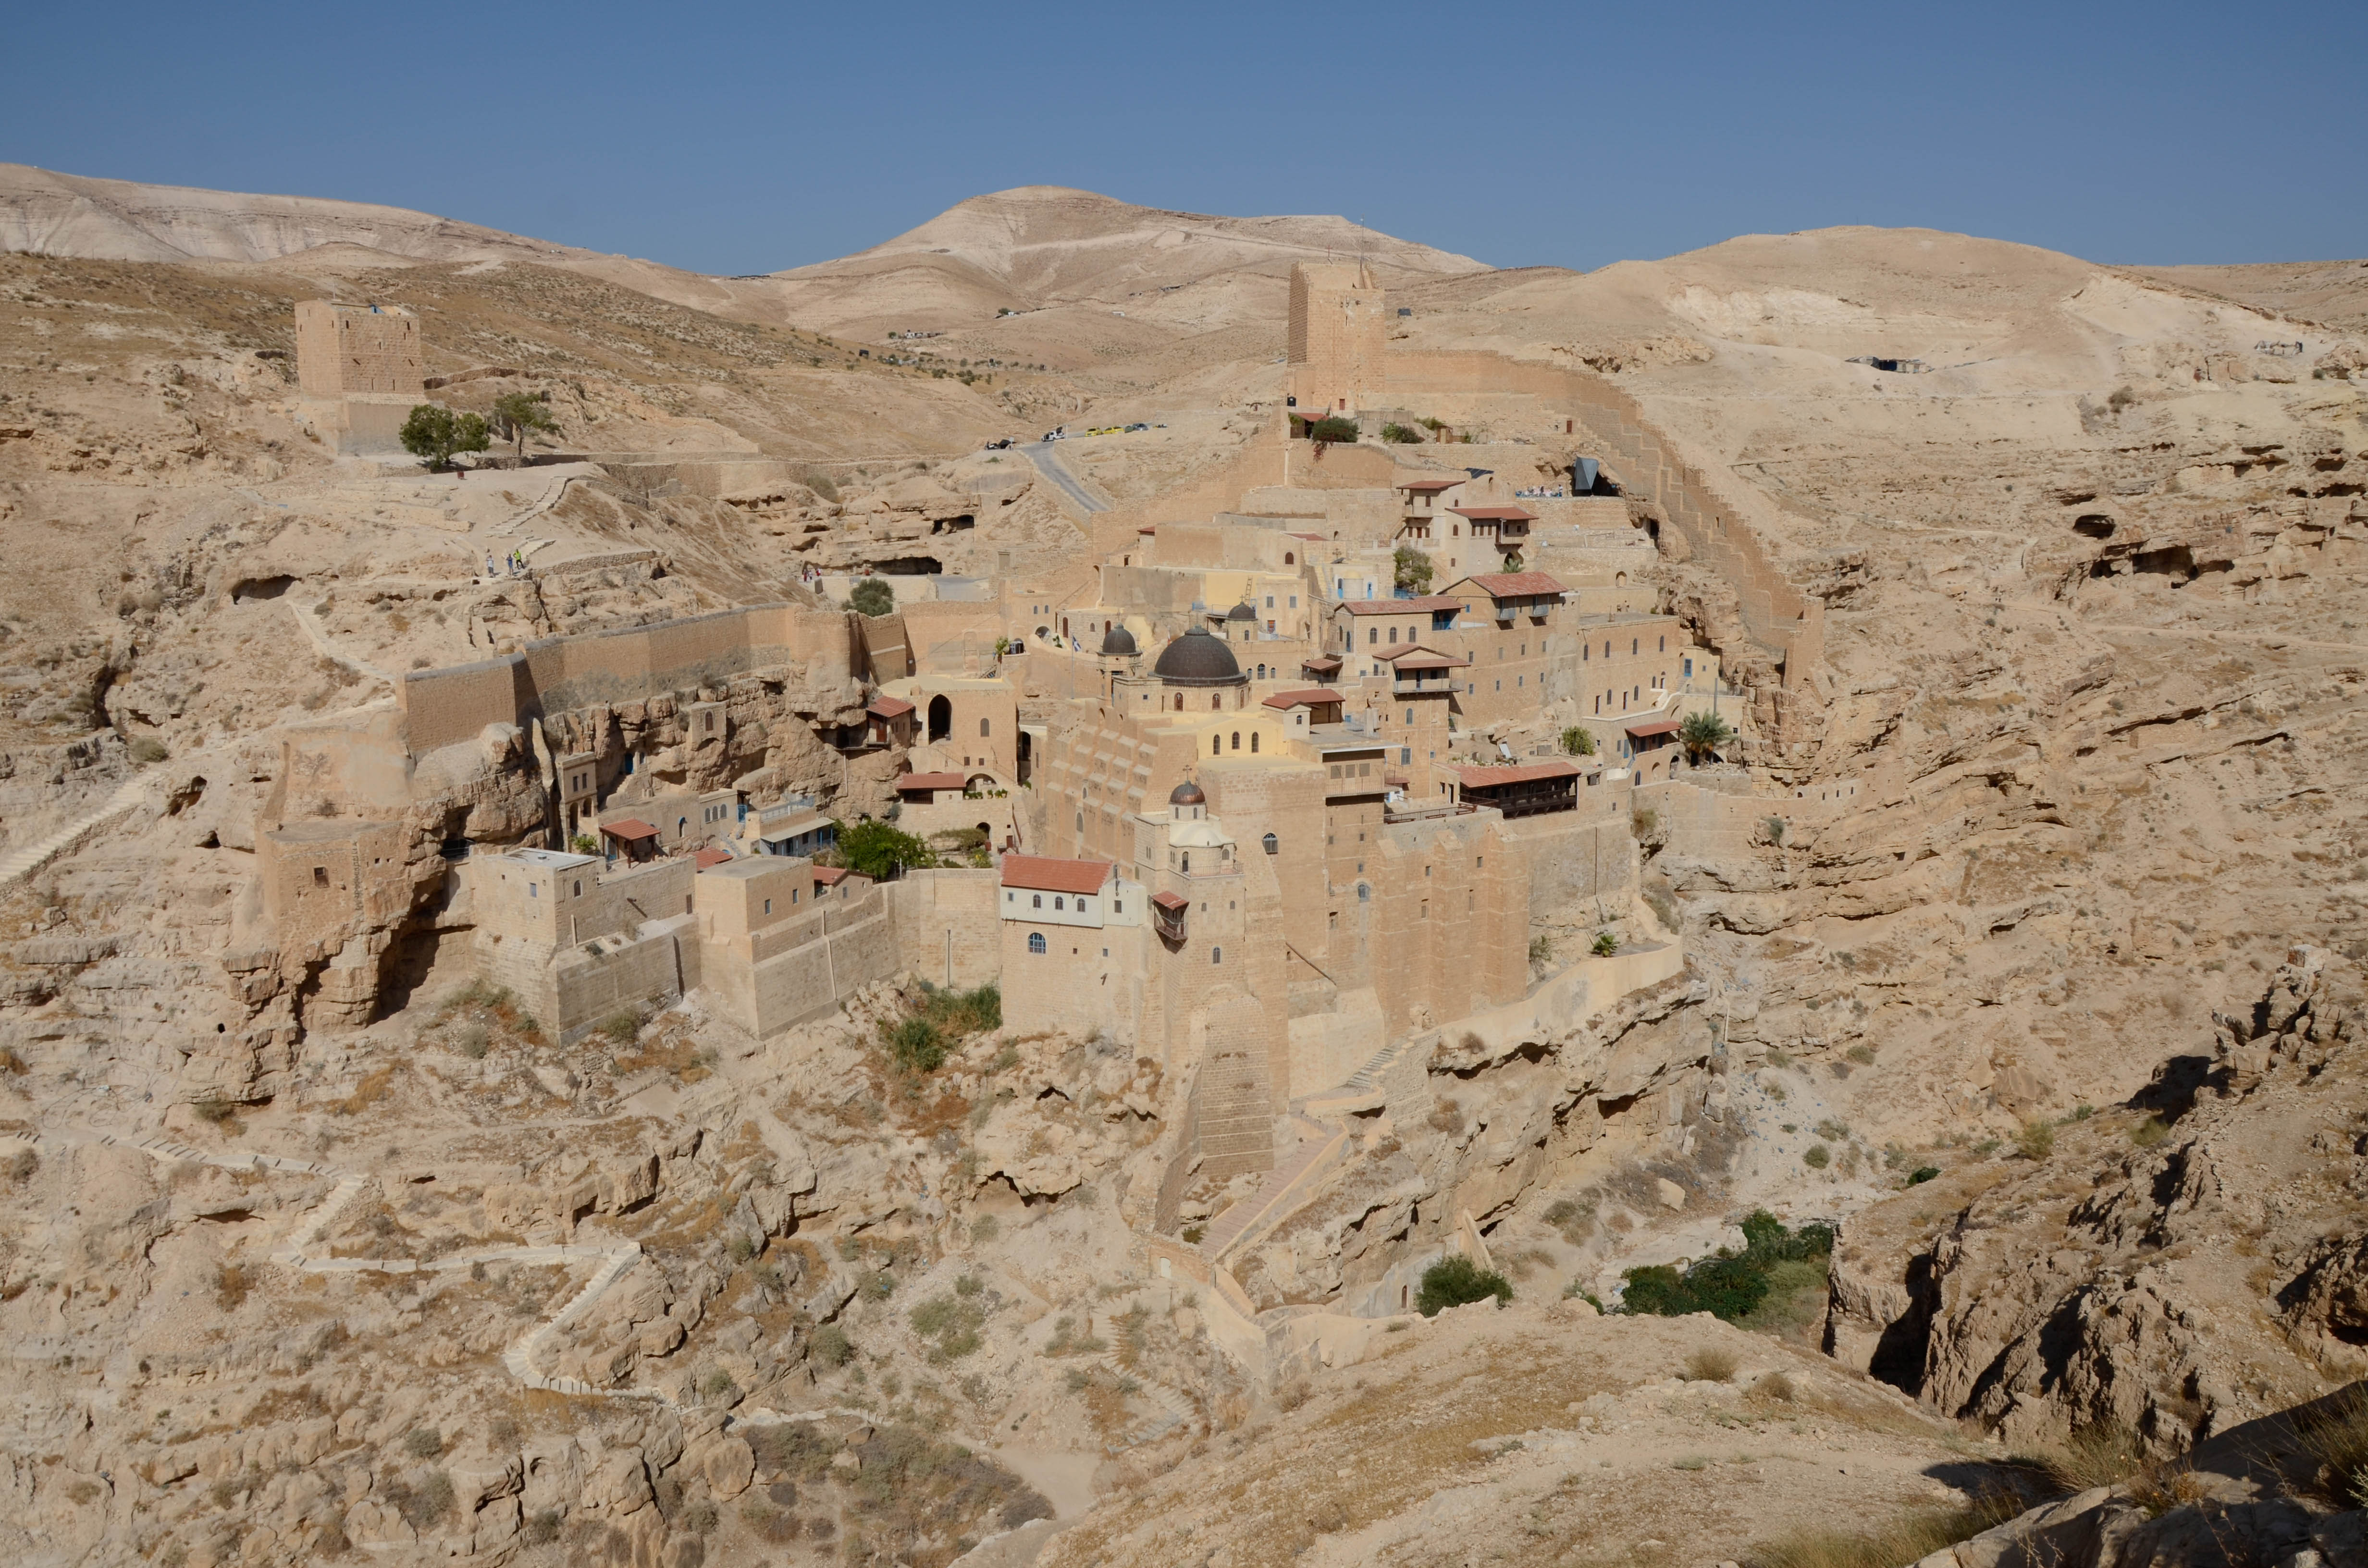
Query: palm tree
pixel 1702 732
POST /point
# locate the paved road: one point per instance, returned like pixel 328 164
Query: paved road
pixel 1048 464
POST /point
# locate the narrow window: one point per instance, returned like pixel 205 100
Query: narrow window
pixel 1270 843
pixel 769 906
pixel 1039 901
pixel 1237 740
pixel 981 729
pixel 579 890
pixel 1254 741
pixel 1216 954
pixel 1217 744
pixel 320 876
pixel 1059 903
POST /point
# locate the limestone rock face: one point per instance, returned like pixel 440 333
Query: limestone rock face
pixel 2141 1273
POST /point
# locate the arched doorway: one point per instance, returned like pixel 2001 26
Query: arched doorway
pixel 941 719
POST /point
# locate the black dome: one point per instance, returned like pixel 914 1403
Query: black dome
pixel 1198 658
pixel 1118 642
pixel 1187 794
pixel 1242 611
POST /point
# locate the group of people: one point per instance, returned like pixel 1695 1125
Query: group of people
pixel 514 563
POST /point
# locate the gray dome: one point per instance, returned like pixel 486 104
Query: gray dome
pixel 1118 642
pixel 1187 794
pixel 1199 658
pixel 1242 611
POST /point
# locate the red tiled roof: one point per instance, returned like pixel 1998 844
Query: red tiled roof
pixel 1424 659
pixel 1496 513
pixel 1655 727
pixel 1044 873
pixel 1430 484
pixel 889 708
pixel 1148 529
pixel 930 781
pixel 1321 662
pixel 1314 696
pixel 1170 901
pixel 1313 539
pixel 707 857
pixel 1489 778
pixel 1517 585
pixel 629 828
pixel 829 876
pixel 1423 605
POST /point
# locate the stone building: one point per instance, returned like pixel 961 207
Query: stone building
pixel 1338 335
pixel 360 373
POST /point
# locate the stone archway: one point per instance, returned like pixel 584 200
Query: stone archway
pixel 941 718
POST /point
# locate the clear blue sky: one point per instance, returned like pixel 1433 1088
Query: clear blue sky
pixel 741 137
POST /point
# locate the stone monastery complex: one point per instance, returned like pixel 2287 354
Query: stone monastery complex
pixel 1345 747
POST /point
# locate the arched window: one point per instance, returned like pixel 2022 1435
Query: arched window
pixel 682 826
pixel 1059 903
pixel 1289 559
pixel 1188 863
pixel 1364 893
pixel 981 729
pixel 1217 744
pixel 1237 740
pixel 1253 740
pixel 1179 702
pixel 1216 700
pixel 579 890
pixel 1272 843
pixel 1035 942
pixel 1216 954
pixel 1039 901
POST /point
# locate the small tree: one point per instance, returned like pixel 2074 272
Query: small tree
pixel 1701 733
pixel 1578 741
pixel 872 596
pixel 517 412
pixel 434 434
pixel 877 850
pixel 1400 435
pixel 1774 829
pixel 1333 428
pixel 1512 559
pixel 1413 569
pixel 1454 1281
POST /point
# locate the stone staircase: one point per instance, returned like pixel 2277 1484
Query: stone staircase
pixel 24 863
pixel 1317 1144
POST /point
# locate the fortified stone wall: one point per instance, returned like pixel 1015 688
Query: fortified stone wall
pixel 443 707
pixel 947 927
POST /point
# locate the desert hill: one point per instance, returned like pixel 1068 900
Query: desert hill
pixel 1039 246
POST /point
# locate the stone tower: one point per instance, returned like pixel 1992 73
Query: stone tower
pixel 1339 332
pixel 348 351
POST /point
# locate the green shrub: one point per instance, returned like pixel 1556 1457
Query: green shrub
pixel 872 596
pixel 1728 1284
pixel 1817 1157
pixel 1862 1055
pixel 1775 828
pixel 953 1322
pixel 1578 741
pixel 1604 945
pixel 1922 1174
pixel 217 1112
pixel 1333 428
pixel 1454 1281
pixel 879 851
pixel 2149 1132
pixel 830 1345
pixel 623 1026
pixel 2036 1141
pixel 917 1046
pixel 1398 434
pixel 146 749
pixel 423 1442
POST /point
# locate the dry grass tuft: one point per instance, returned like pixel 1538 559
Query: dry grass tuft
pixel 1709 1365
pixel 2335 1435
pixel 1906 1538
